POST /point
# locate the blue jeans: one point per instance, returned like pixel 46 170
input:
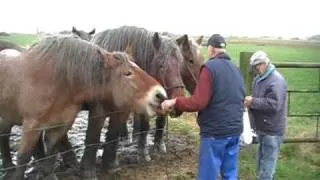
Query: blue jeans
pixel 269 147
pixel 218 156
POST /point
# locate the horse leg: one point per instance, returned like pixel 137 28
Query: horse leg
pixel 52 140
pixel 124 134
pixel 136 127
pixel 143 151
pixel 109 157
pixel 68 155
pixel 28 141
pixel 5 150
pixel 92 142
pixel 158 138
pixel 54 136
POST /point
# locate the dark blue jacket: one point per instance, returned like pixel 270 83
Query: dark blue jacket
pixel 268 109
pixel 223 115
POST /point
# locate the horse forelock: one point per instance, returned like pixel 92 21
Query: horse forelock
pixel 73 60
pixel 169 49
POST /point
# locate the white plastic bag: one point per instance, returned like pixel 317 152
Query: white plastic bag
pixel 247 134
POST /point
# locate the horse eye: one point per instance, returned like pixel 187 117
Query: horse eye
pixel 129 73
pixel 191 61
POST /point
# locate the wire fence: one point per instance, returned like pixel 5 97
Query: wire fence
pixel 173 153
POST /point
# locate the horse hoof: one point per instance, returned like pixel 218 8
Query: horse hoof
pixel 114 170
pixel 147 158
pixel 161 148
pixel 143 159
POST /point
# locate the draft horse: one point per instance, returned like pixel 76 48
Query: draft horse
pixel 161 58
pixel 45 87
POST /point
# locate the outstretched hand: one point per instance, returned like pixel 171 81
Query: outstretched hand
pixel 167 105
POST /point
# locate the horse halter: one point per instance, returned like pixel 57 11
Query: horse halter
pixel 174 87
pixel 193 76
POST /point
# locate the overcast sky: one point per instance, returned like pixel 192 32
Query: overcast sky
pixel 196 17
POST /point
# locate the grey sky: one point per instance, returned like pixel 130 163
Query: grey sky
pixel 195 17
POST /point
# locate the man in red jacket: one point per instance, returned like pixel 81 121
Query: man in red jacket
pixel 218 97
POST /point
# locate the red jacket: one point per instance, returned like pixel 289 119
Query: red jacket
pixel 201 95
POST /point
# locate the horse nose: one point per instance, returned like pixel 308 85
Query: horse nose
pixel 160 96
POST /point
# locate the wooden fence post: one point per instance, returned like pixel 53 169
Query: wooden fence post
pixel 244 67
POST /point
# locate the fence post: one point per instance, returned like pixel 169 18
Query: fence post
pixel 244 67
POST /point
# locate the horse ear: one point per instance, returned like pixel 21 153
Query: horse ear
pixel 183 40
pixel 93 31
pixel 107 58
pixel 199 40
pixel 156 40
pixel 74 30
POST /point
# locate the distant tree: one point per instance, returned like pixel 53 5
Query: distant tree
pixel 295 38
pixel 4 34
pixel 314 38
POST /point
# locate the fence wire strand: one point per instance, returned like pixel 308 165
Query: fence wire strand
pixel 99 144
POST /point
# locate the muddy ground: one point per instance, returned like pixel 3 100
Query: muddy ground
pixel 178 163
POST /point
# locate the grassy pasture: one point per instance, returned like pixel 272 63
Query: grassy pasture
pixel 297 161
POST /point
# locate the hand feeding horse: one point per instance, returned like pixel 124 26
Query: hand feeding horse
pixel 45 87
pixel 159 57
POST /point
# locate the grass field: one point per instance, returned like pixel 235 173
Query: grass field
pixel 297 161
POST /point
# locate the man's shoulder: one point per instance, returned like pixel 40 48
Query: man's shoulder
pixel 276 79
pixel 277 76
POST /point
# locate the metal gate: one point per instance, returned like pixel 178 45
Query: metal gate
pixel 244 66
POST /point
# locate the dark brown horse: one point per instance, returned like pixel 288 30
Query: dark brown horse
pixel 190 69
pixel 45 87
pixel 82 34
pixel 159 57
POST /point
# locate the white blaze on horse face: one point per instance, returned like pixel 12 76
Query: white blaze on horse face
pixel 10 52
pixel 152 99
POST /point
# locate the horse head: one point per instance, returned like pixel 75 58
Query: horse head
pixel 129 83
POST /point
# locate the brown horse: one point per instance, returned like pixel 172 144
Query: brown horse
pixel 69 157
pixel 158 56
pixel 82 34
pixel 45 87
pixel 190 69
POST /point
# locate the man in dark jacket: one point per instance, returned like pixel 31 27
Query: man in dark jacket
pixel 219 97
pixel 268 109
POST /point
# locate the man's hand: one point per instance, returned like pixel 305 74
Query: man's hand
pixel 247 101
pixel 167 105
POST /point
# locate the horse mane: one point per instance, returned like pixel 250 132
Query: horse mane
pixel 141 40
pixel 74 61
